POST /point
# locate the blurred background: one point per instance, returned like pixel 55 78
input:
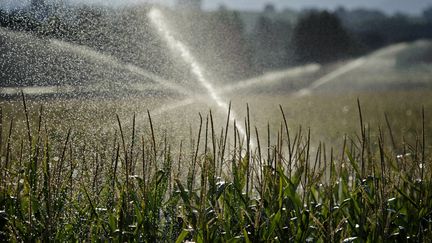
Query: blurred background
pixel 312 57
pixel 233 39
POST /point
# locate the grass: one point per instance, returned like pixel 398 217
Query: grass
pixel 128 183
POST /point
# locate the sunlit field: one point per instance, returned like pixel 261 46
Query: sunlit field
pixel 329 116
pixel 158 135
pixel 98 169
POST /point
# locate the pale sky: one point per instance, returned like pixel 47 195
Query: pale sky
pixel 388 6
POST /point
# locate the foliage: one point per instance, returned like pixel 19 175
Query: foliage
pixel 427 14
pixel 135 188
pixel 272 43
pixel 374 29
pixel 320 37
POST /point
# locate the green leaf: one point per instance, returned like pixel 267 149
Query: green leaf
pixel 182 236
pixel 407 197
pixel 158 177
pixel 220 189
pixel 353 163
pixel 183 194
pixel 246 236
pixel 275 222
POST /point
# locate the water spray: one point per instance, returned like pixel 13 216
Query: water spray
pixel 114 62
pixel 157 19
pixel 350 66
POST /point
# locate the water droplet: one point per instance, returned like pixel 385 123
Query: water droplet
pixel 345 109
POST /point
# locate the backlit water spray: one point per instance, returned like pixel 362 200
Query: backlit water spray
pixel 113 62
pixel 177 46
pixel 350 66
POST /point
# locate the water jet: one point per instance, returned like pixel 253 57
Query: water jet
pixel 180 49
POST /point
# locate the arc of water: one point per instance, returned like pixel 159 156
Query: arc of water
pixel 350 66
pixel 177 46
pixel 173 106
pixel 305 91
pixel 112 61
pixel 32 90
pixel 331 76
pixel 272 77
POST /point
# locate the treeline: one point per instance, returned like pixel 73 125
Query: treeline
pixel 322 36
pixel 375 29
pixel 220 38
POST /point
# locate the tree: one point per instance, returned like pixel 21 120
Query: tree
pixel 4 18
pixel 269 8
pixel 427 14
pixel 22 21
pixel 229 45
pixel 88 28
pixel 272 40
pixel 320 37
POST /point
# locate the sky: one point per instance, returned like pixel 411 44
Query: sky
pixel 388 6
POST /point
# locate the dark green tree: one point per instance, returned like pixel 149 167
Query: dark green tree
pixel 427 14
pixel 272 39
pixel 229 44
pixel 23 21
pixel 320 37
pixel 4 18
pixel 88 29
